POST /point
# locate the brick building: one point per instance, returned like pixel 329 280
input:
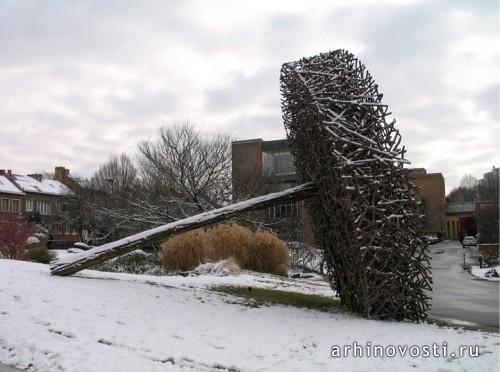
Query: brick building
pixel 264 166
pixel 257 163
pixel 432 194
pixel 460 220
pixel 11 201
pixel 36 199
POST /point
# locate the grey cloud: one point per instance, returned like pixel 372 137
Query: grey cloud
pixel 55 56
pixel 261 88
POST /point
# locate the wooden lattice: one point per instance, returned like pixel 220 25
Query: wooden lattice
pixel 365 214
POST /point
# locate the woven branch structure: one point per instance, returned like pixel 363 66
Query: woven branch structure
pixel 365 214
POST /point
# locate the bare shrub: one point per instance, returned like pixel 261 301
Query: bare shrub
pixel 268 254
pixel 13 237
pixel 185 251
pixel 230 241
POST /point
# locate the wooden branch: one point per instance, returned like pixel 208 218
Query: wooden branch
pixel 78 262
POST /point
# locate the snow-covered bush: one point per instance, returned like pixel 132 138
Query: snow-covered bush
pixel 221 268
pixel 135 262
pixel 32 240
pixel 306 258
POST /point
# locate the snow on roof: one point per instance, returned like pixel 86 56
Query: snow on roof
pixel 8 187
pixel 46 186
pixel 56 187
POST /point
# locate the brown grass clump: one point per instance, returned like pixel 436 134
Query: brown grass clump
pixel 261 251
pixel 185 251
pixel 268 254
pixel 230 241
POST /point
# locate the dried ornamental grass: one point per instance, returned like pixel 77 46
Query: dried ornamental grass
pixel 185 251
pixel 230 241
pixel 268 254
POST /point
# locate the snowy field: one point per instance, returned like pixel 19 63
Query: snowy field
pixel 97 321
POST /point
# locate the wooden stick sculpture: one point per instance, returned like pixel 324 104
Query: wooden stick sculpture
pixel 365 215
pixel 365 210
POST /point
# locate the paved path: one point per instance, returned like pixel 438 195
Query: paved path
pixel 458 296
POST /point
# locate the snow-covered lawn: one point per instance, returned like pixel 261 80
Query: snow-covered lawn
pixel 97 321
pixel 490 274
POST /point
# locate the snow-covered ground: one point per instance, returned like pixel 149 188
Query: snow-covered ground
pixel 487 273
pixel 97 321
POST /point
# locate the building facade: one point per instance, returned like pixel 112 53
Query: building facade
pixel 35 199
pixel 258 163
pixel 431 192
pixel 11 201
pixel 260 167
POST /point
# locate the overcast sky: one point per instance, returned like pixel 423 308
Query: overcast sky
pixel 80 80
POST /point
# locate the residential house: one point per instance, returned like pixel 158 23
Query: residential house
pixel 36 199
pixel 11 201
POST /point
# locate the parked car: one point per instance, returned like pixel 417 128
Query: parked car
pixel 469 241
pixel 430 239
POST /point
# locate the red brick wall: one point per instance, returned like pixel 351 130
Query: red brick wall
pixel 431 190
pixel 308 231
pixel 11 217
pixel 246 167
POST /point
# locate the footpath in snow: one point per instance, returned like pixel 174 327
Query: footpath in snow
pixel 97 321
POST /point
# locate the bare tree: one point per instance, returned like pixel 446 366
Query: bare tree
pixel 469 181
pixel 118 174
pixel 188 168
pixel 466 192
pixel 488 216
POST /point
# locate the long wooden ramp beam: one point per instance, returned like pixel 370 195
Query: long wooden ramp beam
pixel 72 264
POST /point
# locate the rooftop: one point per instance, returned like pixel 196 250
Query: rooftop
pixel 45 186
pixel 8 187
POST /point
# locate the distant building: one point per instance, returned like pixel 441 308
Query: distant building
pixel 479 215
pixel 263 166
pixel 460 220
pixel 256 162
pixel 11 200
pixel 36 199
pixel 432 194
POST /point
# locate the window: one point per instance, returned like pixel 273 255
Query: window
pixel 14 206
pixel 287 210
pixel 277 163
pixel 5 205
pixel 29 205
pixel 67 230
pixel 44 208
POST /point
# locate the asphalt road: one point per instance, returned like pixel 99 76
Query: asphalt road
pixel 457 296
